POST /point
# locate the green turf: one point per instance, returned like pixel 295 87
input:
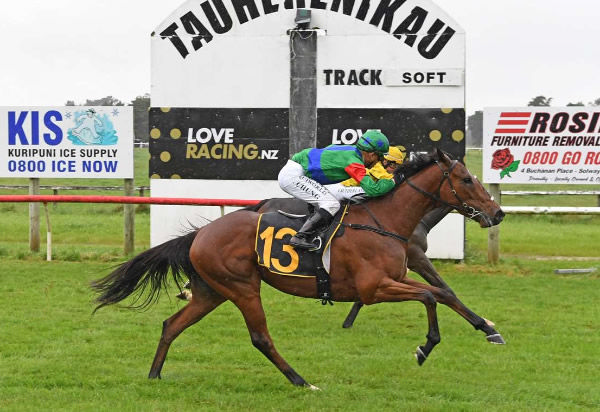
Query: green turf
pixel 55 356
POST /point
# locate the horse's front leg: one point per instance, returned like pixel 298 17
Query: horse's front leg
pixel 449 299
pixel 390 290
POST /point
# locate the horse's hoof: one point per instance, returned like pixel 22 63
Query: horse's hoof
pixel 420 355
pixel 184 295
pixel 347 325
pixel 312 387
pixel 496 339
pixel 489 322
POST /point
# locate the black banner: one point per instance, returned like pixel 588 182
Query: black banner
pixel 231 144
pixel 415 129
pixel 252 144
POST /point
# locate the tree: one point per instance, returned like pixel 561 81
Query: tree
pixel 104 101
pixel 141 106
pixel 595 102
pixel 475 129
pixel 576 104
pixel 540 101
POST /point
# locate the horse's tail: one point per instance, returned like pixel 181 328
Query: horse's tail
pixel 147 273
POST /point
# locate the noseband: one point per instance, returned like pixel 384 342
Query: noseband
pixel 462 206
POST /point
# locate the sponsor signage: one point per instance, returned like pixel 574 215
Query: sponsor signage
pixel 70 141
pixel 541 145
pixel 416 129
pixel 253 143
pixel 195 143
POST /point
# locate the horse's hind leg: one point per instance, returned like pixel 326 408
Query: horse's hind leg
pixel 349 321
pixel 203 302
pixel 256 322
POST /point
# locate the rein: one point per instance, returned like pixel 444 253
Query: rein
pixel 376 230
pixel 379 230
pixel 463 207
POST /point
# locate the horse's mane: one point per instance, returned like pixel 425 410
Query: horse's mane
pixel 414 166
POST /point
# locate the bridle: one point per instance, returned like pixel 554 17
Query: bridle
pixel 462 206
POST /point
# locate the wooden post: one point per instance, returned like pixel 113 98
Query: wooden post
pixel 48 234
pixel 128 219
pixel 494 231
pixel 34 216
pixel 303 89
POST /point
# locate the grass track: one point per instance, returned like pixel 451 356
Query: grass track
pixel 55 356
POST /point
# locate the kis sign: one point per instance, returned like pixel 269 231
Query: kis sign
pixel 24 127
pixel 70 141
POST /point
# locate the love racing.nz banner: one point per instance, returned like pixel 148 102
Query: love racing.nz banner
pixel 70 141
pixel 206 143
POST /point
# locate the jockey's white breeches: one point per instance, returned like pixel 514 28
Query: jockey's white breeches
pixel 293 181
pixel 342 192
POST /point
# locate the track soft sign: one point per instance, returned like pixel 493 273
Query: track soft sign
pixel 541 145
pixel 70 141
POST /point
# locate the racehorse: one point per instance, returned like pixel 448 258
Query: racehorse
pixel 416 259
pixel 363 263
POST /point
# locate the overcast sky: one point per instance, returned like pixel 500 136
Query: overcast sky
pixel 59 50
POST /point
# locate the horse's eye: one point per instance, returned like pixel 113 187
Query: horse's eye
pixel 468 180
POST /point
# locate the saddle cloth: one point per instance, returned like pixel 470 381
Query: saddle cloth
pixel 273 234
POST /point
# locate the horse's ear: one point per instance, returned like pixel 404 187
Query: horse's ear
pixel 442 156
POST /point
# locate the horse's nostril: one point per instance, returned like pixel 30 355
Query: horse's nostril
pixel 499 216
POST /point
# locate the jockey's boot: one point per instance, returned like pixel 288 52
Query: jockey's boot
pixel 303 238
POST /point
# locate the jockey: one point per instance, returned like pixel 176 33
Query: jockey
pixel 307 171
pixel 393 159
pixel 384 169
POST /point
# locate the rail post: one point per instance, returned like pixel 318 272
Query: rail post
pixel 34 216
pixel 128 219
pixel 494 231
pixel 303 89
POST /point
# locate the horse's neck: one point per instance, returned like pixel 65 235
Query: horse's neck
pixel 435 216
pixel 403 210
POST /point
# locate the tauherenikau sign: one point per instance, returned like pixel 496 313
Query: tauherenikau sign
pixel 221 17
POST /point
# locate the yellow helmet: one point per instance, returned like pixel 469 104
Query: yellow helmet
pixel 395 154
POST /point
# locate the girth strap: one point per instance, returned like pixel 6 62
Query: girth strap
pixel 323 286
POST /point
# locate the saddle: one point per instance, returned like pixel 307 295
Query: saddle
pixel 274 252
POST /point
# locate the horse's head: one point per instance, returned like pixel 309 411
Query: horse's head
pixel 466 194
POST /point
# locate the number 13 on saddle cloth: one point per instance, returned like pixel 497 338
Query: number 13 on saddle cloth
pixel 273 233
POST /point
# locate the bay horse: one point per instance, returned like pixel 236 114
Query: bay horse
pixel 416 258
pixel 363 263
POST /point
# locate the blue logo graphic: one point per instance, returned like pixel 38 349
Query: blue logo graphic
pixel 92 129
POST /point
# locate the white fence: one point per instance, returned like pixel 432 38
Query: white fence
pixel 494 232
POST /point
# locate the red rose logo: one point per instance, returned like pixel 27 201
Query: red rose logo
pixel 502 158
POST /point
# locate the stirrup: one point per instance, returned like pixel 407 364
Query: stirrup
pixel 300 243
